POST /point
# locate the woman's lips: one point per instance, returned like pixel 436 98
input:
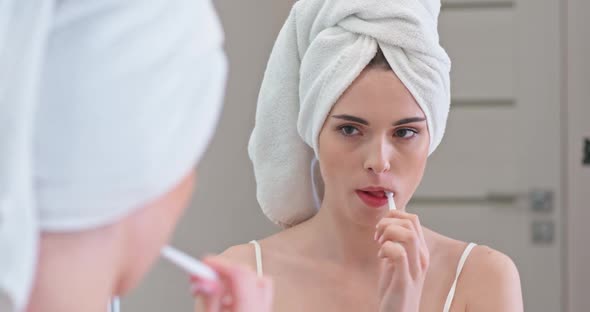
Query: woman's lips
pixel 374 199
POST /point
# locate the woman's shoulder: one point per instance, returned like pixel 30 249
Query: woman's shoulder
pixel 481 258
pixel 489 279
pixel 241 254
pixel 245 254
pixel 489 269
pixel 482 262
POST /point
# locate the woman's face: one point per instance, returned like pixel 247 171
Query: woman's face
pixel 375 139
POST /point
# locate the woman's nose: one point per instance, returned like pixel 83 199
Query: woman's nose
pixel 378 157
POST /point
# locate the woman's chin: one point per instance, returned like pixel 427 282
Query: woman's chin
pixel 367 215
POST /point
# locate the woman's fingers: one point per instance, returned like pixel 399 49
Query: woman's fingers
pixel 420 254
pixel 239 288
pixel 412 219
pixel 406 239
pixel 385 276
pixel 210 292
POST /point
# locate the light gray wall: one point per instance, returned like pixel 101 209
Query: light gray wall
pixel 578 176
pixel 224 211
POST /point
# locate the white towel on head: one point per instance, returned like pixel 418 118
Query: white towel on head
pixel 320 51
pixel 104 107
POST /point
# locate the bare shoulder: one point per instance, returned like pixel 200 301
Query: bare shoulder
pixel 490 264
pixel 243 254
pixel 491 281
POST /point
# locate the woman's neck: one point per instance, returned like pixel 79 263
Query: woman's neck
pixel 336 237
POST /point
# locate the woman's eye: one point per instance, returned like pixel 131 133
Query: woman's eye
pixel 405 133
pixel 349 130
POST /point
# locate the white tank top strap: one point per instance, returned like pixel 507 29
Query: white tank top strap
pixel 451 295
pixel 258 252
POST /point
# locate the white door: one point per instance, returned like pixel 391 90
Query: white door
pixel 496 178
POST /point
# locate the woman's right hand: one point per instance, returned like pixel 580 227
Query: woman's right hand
pixel 239 289
pixel 404 260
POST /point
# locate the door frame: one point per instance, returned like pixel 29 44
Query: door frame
pixel 575 22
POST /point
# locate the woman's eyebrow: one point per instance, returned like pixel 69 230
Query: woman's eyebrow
pixel 352 118
pixel 408 120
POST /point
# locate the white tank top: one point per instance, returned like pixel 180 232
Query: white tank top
pixel 450 296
